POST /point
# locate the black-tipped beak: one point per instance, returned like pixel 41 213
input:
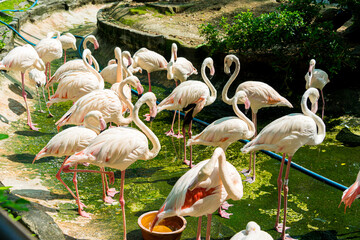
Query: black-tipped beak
pixel 151 119
pixel 211 76
pixel 139 95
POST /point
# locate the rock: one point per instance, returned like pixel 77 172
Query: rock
pixel 348 138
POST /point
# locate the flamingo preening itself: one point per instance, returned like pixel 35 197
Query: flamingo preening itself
pixel 20 59
pixel 260 95
pixel 201 191
pixel 67 41
pixel 287 134
pixel 191 96
pixel 119 147
pixel 317 78
pixel 252 232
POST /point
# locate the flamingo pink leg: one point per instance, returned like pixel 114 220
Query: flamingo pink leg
pixel 122 201
pixel 109 191
pixel 47 78
pixel 67 169
pixel 106 198
pixel 278 226
pixel 179 135
pixel 29 122
pixel 149 82
pixel 198 234
pixel 323 106
pixel 52 87
pixel 171 131
pixel 50 115
pixel 208 226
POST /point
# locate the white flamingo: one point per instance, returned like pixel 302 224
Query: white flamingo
pixel 252 232
pixel 287 134
pixel 191 96
pixel 68 41
pixel 260 95
pixel 317 78
pixel 201 190
pixel 120 147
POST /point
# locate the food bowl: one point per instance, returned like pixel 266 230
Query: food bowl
pixel 168 229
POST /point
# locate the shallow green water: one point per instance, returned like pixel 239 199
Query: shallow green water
pixel 313 206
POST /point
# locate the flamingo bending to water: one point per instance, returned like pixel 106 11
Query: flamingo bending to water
pixel 191 96
pixel 73 140
pixel 201 190
pixel 120 147
pixel 150 61
pixel 287 134
pixel 20 59
pixel 260 95
pixel 179 68
pixel 67 41
pixel 252 232
pixel 317 78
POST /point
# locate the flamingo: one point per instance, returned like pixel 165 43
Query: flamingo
pixel 225 131
pixel 179 68
pixel 38 78
pixel 49 49
pixel 252 232
pixel 67 41
pixel 287 134
pixel 192 96
pixel 20 59
pixel 260 95
pixel 317 78
pixel 77 84
pixel 201 190
pixel 74 139
pixel 351 193
pixel 150 61
pixel 77 64
pixel 120 147
pixel 106 101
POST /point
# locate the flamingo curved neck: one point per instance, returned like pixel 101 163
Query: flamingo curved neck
pixel 118 55
pixel 320 136
pixel 125 68
pixel 242 116
pixel 87 39
pixel 225 90
pixel 125 100
pixel 213 91
pixel 90 68
pixel 234 191
pixel 149 134
pixel 96 64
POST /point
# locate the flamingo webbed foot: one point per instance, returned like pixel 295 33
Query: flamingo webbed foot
pixel 50 115
pixel 32 127
pixel 224 214
pixel 41 111
pixel 108 199
pixel 86 164
pixel 84 214
pixel 170 132
pixel 287 237
pixel 246 172
pixel 279 228
pixel 225 205
pixel 111 192
pixel 187 162
pixel 250 179
pixel 178 136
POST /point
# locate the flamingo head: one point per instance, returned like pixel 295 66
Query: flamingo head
pixel 209 62
pixel 241 98
pixel 96 44
pixel 314 97
pixel 174 49
pixel 228 60
pixel 252 227
pixel 150 99
pixel 311 66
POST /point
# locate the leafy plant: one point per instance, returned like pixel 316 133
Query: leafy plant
pixel 9 205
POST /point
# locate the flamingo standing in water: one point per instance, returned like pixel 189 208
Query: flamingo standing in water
pixel 287 134
pixel 49 49
pixel 352 193
pixel 67 41
pixel 73 140
pixel 77 64
pixel 150 61
pixel 201 190
pixel 225 131
pixel 317 78
pixel 252 232
pixel 179 68
pixel 20 59
pixel 260 95
pixel 77 84
pixel 120 147
pixel 191 96
pixel 38 78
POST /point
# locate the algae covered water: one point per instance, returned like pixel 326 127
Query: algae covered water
pixel 313 211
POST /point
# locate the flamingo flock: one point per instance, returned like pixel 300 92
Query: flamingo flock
pixel 206 186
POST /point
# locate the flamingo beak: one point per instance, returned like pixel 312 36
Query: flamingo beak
pixel 314 107
pixel 247 104
pixel 96 45
pixel 102 124
pixel 140 90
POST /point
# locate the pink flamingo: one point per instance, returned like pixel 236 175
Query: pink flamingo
pixel 73 140
pixel 287 134
pixel 201 190
pixel 225 131
pixel 252 232
pixel 260 95
pixel 150 61
pixel 120 147
pixel 192 96
pixel 107 101
pixel 178 68
pixel 77 84
pixel 49 49
pixel 317 78
pixel 352 193
pixel 38 78
pixel 77 64
pixel 20 59
pixel 67 41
